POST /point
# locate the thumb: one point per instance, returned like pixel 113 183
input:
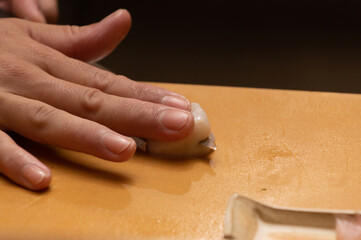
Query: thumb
pixel 89 43
pixel 27 9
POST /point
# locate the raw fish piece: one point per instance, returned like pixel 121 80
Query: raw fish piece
pixel 348 227
pixel 197 144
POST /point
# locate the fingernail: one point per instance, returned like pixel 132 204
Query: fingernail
pixel 177 102
pixel 174 119
pixel 115 143
pixel 118 12
pixel 33 174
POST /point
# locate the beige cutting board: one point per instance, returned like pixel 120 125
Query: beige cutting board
pixel 287 148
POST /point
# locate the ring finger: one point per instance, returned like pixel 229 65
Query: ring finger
pixel 128 116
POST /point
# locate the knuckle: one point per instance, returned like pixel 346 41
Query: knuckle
pixel 145 91
pixel 101 80
pixel 124 79
pixel 13 68
pixel 11 156
pixel 150 114
pixel 92 100
pixel 41 55
pixel 38 51
pixel 42 116
pixel 15 154
pixel 143 112
pixel 72 30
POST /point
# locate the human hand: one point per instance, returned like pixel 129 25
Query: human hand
pixel 33 10
pixel 50 97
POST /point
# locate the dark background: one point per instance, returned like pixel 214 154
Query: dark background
pixel 305 45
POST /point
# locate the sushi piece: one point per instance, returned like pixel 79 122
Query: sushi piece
pixel 200 142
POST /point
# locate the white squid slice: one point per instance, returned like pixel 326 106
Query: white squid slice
pixel 189 146
pixel 348 227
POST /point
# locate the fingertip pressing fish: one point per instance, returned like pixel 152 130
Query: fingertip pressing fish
pixel 200 142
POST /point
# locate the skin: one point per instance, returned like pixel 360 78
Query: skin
pixel 48 93
pixel 33 10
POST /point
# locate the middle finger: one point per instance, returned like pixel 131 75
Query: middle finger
pixel 128 116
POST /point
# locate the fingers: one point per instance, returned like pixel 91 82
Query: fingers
pixel 46 124
pixel 50 9
pixel 87 75
pixel 33 10
pixel 20 166
pixel 88 43
pixel 123 114
pixel 27 9
pixel 128 116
